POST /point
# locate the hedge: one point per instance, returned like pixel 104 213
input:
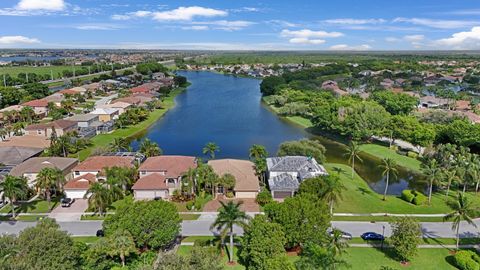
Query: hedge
pixel 407 195
pixel 414 197
pixel 467 260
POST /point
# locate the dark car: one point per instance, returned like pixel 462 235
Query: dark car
pixel 372 236
pixel 66 202
pixel 100 233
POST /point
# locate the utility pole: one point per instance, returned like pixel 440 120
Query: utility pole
pixel 88 70
pixel 26 74
pixel 4 81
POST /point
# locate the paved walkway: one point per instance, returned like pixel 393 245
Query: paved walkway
pixel 248 205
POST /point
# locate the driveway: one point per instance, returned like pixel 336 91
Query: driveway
pixel 105 100
pixel 72 213
pixel 248 205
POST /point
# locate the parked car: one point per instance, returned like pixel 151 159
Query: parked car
pixel 100 233
pixel 372 236
pixel 66 202
pixel 344 235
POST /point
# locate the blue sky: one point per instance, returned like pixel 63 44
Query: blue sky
pixel 241 24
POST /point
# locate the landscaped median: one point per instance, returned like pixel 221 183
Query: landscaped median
pixel 131 131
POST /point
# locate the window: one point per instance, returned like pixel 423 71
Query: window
pixel 77 173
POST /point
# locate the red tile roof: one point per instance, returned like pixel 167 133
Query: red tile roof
pixel 81 182
pixel 154 181
pixel 36 103
pixel 98 163
pixel 174 166
pixel 68 92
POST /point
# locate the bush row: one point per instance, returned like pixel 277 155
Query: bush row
pixel 414 197
pixel 467 260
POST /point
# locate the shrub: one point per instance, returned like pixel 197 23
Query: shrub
pixel 198 205
pixel 202 242
pixel 412 154
pixel 407 195
pixel 419 198
pixel 230 194
pixel 189 205
pixel 465 260
pixel 264 197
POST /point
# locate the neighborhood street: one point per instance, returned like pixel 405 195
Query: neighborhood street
pixel 201 227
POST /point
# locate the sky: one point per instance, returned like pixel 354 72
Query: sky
pixel 242 24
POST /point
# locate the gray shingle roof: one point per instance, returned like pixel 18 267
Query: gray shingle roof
pixel 13 155
pixel 283 182
pixel 292 164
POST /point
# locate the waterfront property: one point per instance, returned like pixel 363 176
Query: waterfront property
pixel 31 167
pixel 286 173
pixel 61 127
pixel 246 181
pixel 160 176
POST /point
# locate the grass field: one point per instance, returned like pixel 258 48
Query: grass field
pixel 34 207
pixel 360 198
pixel 381 152
pixel 132 131
pixel 383 218
pixel 14 71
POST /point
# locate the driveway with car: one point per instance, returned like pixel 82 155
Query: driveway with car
pixel 72 213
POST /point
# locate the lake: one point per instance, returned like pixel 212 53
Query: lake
pixel 227 110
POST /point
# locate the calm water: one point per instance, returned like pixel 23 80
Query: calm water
pixel 228 110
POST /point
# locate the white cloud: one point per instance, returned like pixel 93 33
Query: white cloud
pixel 392 39
pixel 350 21
pixel 307 33
pixel 307 36
pixel 282 23
pixel 345 47
pixel 196 27
pixel 9 40
pixel 467 40
pixel 439 24
pixel 414 38
pixel 100 26
pixel 187 13
pixel 132 15
pixel 306 41
pixel 52 5
pixel 227 25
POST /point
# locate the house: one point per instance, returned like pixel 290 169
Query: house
pixel 147 88
pixel 78 186
pixel 246 181
pixel 160 176
pixel 106 114
pixel 158 76
pixel 14 155
pixel 433 102
pixel 31 141
pixel 31 167
pixel 13 108
pixel 133 101
pixel 55 99
pixel 96 164
pixel 84 120
pixel 120 106
pixel 103 127
pixel 39 106
pixel 286 173
pixel 60 126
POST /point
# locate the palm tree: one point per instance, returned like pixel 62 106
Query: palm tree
pixel 228 216
pixel 227 181
pixel 99 197
pixel 332 190
pixel 62 145
pixel 431 171
pixel 336 244
pixel 27 114
pixel 260 168
pixel 149 148
pixel 462 209
pixel 47 179
pixel 121 244
pixel 119 144
pixel 14 188
pixel 121 177
pixel 258 152
pixel 189 178
pixel 210 149
pixel 353 152
pixel 389 168
pixel 448 176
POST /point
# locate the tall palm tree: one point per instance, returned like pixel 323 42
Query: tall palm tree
pixel 258 152
pixel 336 244
pixel 474 172
pixel 121 177
pixel 260 168
pixel 47 179
pixel 149 148
pixel 27 114
pixel 332 190
pixel 462 209
pixel 119 144
pixel 353 152
pixel 389 167
pixel 432 172
pixel 99 197
pixel 228 216
pixel 448 176
pixel 227 181
pixel 14 188
pixel 62 145
pixel 189 178
pixel 121 244
pixel 210 149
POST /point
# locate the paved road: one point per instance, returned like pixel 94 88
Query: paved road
pixel 202 227
pixel 105 100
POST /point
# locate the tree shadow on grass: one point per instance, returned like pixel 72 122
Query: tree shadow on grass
pixel 364 191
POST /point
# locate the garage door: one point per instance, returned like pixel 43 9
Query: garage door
pixel 75 194
pixel 281 194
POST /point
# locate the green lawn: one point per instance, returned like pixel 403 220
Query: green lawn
pixel 85 239
pixel 34 207
pixel 303 122
pixel 105 139
pixel 430 241
pixel 373 258
pixel 189 216
pixel 383 218
pixel 360 198
pixel 14 71
pixel 381 152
